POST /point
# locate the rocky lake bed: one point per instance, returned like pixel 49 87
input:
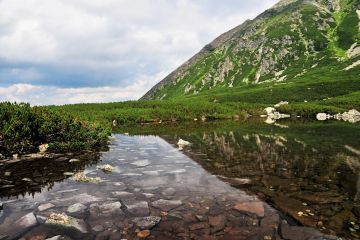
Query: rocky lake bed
pixel 215 184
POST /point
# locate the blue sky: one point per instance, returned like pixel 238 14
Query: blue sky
pixel 73 51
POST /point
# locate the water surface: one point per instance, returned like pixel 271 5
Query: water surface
pixel 235 181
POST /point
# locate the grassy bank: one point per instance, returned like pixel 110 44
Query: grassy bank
pixel 23 128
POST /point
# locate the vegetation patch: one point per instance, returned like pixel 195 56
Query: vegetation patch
pixel 23 128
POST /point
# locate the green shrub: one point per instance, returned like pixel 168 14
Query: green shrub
pixel 23 128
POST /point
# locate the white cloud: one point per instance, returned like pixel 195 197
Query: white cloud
pixel 47 95
pixel 61 44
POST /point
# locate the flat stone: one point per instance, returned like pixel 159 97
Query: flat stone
pixel 139 208
pixel 141 163
pixel 77 209
pixel 105 209
pixel 320 197
pixel 146 223
pixel 255 207
pixel 45 206
pixel 122 194
pixel 298 233
pixel 166 205
pixel 292 207
pixel 83 198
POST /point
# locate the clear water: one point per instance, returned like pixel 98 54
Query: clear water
pixel 235 181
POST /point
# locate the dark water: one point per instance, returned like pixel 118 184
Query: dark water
pixel 248 180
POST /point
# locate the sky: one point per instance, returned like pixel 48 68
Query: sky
pixel 76 51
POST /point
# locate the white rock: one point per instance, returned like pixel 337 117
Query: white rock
pixel 269 110
pixel 321 116
pixel 281 104
pixel 182 143
pixel 43 148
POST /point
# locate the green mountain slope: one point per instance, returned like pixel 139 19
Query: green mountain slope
pixel 299 51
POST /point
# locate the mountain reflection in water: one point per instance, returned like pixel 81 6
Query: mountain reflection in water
pixel 309 171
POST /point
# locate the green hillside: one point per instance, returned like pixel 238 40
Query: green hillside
pixel 302 51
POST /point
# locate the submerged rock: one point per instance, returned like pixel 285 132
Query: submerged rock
pixel 45 206
pixel 235 181
pixel 298 233
pixel 146 223
pixel 105 168
pixel 63 221
pixel 81 177
pixel 122 194
pixel 105 209
pixel 166 205
pixel 141 163
pixel 26 222
pixel 139 208
pixel 255 207
pixel 76 209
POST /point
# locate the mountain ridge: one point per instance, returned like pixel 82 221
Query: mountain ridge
pixel 283 43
